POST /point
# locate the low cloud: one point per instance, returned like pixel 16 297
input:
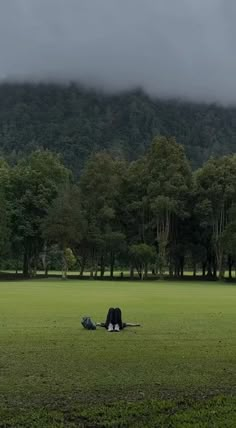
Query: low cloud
pixel 183 48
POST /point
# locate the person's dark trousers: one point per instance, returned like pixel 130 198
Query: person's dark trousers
pixel 114 317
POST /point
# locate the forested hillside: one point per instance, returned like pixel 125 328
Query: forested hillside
pixel 77 122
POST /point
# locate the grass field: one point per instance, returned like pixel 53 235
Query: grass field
pixel 177 370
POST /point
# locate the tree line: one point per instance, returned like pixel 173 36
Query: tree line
pixel 152 217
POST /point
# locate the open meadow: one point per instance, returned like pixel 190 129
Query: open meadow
pixel 176 370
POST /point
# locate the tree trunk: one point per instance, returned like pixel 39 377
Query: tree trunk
pixel 209 269
pixel 82 266
pixel 95 267
pixel 26 263
pixel 230 265
pixel 203 270
pixel 163 230
pixel 171 270
pixel 140 271
pixel 194 269
pixel 182 266
pixel 162 258
pixel 214 270
pixel 146 271
pixel 44 257
pixel 222 273
pixel 176 270
pixel 220 265
pixel 64 265
pixel 33 267
pixel 102 267
pixel 112 262
pixel 17 266
pixel 131 272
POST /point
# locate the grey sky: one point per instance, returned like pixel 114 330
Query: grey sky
pixel 171 48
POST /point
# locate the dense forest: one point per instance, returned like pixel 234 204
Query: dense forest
pixel 153 216
pixel 76 122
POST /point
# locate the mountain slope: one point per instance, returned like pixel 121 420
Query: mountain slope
pixel 76 122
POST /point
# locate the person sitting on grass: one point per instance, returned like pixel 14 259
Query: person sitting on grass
pixel 113 322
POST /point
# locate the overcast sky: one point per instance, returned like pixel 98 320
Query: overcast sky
pixel 174 48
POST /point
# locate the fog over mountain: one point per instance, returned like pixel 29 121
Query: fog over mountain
pixel 183 48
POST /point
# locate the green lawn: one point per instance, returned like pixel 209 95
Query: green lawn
pixel 177 370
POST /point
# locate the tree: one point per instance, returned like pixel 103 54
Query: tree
pixel 34 183
pixel 133 209
pixel 65 223
pixel 115 243
pixel 229 239
pixel 169 182
pixel 142 255
pixel 4 223
pixel 215 186
pixel 5 208
pixel 100 186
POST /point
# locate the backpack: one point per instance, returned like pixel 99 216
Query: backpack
pixel 88 323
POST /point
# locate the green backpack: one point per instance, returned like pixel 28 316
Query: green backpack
pixel 88 323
